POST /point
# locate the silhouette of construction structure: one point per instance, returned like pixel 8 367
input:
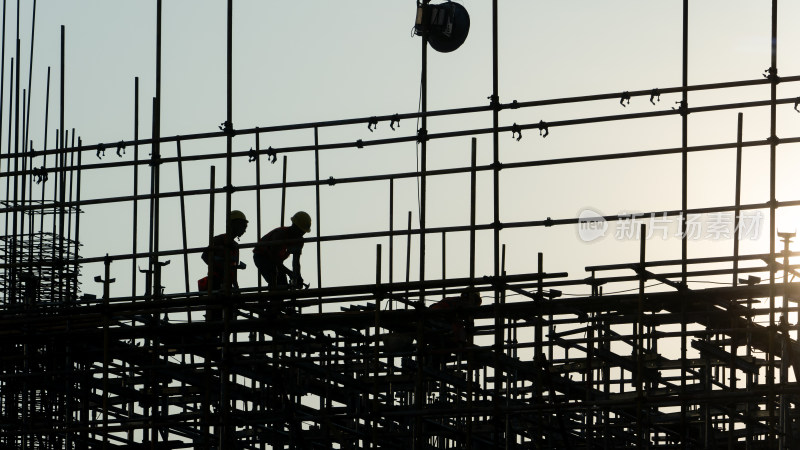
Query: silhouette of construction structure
pixel 368 366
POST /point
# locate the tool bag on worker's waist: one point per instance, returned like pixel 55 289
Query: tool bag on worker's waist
pixel 202 283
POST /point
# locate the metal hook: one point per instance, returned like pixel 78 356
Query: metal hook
pixel 626 96
pixel 40 174
pixel 655 94
pixel 543 131
pixel 516 130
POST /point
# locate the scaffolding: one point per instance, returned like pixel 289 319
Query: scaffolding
pixel 371 365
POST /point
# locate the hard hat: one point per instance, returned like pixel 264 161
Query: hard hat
pixel 302 220
pixel 236 214
pixel 471 297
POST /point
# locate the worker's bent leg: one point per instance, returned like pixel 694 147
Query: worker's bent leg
pixel 266 269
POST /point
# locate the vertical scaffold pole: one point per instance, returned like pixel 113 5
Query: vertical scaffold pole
pixel 419 439
pixel 135 244
pixel 258 192
pixel 773 144
pixel 183 218
pixel 226 432
pixel 684 208
pixel 737 200
pixel 283 192
pixel 319 213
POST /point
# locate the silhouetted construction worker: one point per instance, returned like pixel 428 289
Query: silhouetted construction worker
pixel 455 327
pixel 214 255
pixel 275 247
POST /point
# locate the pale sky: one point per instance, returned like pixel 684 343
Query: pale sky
pixel 298 62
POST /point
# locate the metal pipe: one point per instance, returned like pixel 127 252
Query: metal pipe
pixel 135 247
pixel 472 196
pixel 684 207
pixel 23 181
pixel 76 263
pixel 498 339
pixel 211 232
pixel 465 228
pixel 226 430
pixel 573 122
pixel 155 183
pixel 2 83
pixel 512 105
pixel 319 212
pixel 444 259
pixel 737 199
pixel 183 220
pixel 638 337
pixel 283 193
pixel 408 250
pixel 773 72
pixel 207 363
pixel 423 176
pixel 391 234
pixel 495 143
pixel 258 198
pixel 30 73
pixel 15 237
pixel 68 212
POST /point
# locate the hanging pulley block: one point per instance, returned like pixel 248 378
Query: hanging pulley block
pixel 446 25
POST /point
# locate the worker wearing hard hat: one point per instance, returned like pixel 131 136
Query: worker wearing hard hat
pixel 275 247
pixel 222 245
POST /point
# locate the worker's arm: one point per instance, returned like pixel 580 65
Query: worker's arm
pixel 296 268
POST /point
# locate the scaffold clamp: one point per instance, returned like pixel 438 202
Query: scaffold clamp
pixel 101 151
pixel 226 127
pixel 682 108
pixel 625 97
pixel 395 119
pixel 373 124
pixel 271 154
pixel 773 140
pixel 543 131
pixel 655 94
pixel 121 149
pixel 772 75
pixel 515 129
pixel 40 174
